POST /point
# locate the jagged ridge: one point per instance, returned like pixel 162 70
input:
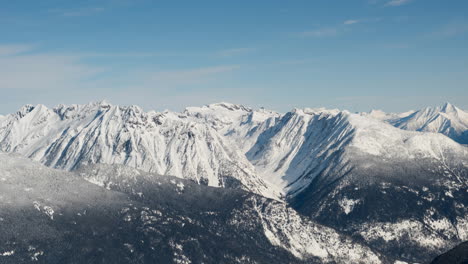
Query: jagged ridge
pixel 68 137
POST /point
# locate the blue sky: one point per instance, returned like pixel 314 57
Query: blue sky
pixel 393 55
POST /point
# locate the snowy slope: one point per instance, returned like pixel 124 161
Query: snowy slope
pixel 68 137
pixel 383 116
pixel 401 191
pixel 282 147
pixel 55 217
pixel 215 144
pixel 241 125
pixel 339 167
pixel 447 119
pixel 307 142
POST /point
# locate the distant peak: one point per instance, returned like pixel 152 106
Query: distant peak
pixel 376 112
pixel 24 110
pixel 104 102
pixel 448 107
pixel 134 109
pixel 230 106
pixel 314 111
pixel 101 103
pixel 26 107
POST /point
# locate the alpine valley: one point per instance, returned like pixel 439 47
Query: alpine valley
pixel 225 183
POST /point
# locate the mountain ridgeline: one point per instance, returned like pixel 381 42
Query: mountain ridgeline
pixel 389 187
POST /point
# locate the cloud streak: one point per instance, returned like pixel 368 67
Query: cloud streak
pixel 78 12
pixel 42 71
pixel 53 71
pixel 186 76
pixel 336 30
pixel 452 29
pixel 398 2
pixel 12 49
pixel 234 52
pixel 29 76
pixel 351 22
pixel 320 33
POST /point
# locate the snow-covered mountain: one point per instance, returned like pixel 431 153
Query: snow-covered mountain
pixel 447 119
pixel 287 148
pixel 167 143
pixel 241 125
pixel 401 192
pixel 384 116
pixel 52 216
pixel 343 169
pixel 274 142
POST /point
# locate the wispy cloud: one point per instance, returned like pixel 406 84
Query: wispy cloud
pixel 398 2
pixel 77 12
pixel 28 75
pixel 234 52
pixel 351 22
pixel 12 49
pixel 291 62
pixel 396 46
pixel 125 54
pixel 452 29
pixel 32 70
pixel 362 21
pixel 321 32
pixel 187 76
pixel 332 31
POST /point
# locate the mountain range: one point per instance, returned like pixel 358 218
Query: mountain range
pixel 316 184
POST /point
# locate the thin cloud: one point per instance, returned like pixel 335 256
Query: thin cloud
pixel 350 22
pixel 398 2
pixel 234 52
pixel 67 71
pixel 333 31
pixel 186 76
pixel 10 50
pixel 127 54
pixel 77 12
pixel 362 21
pixel 320 33
pixel 34 71
pixel 58 70
pixel 396 46
pixel 35 76
pixel 452 29
pixel 292 62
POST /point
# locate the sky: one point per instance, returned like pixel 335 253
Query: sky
pixel 393 55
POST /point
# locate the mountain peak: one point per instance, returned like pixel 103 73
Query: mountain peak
pixel 24 110
pixel 101 104
pixel 230 106
pixel 95 104
pixel 317 111
pixel 449 108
